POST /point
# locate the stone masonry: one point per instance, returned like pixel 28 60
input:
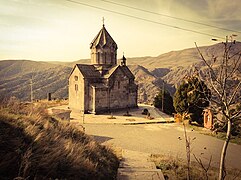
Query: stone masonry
pixel 102 85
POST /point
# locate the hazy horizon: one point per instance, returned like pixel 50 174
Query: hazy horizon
pixel 48 30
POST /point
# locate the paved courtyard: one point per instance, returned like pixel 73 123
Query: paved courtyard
pixel 164 139
pixel 131 134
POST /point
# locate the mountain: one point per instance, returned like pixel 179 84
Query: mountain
pixel 173 66
pixel 16 75
pixel 150 72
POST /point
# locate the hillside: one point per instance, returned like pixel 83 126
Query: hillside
pixel 172 67
pixel 150 72
pixel 15 78
pixel 36 146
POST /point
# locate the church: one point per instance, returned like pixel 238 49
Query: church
pixel 103 85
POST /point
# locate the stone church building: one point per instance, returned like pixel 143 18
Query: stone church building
pixel 102 85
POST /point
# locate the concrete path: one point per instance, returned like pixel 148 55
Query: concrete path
pixel 136 165
pixel 166 139
pixel 118 117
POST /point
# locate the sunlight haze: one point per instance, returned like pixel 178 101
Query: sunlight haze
pixel 60 30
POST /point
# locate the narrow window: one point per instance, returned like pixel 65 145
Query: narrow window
pixel 105 58
pixel 76 78
pixel 76 87
pixel 98 57
pixel 118 84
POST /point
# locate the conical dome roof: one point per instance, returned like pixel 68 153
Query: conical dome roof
pixel 103 39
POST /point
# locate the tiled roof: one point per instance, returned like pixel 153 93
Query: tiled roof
pixel 102 39
pixel 88 71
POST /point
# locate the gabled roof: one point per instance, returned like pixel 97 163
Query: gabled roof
pixel 124 69
pixel 111 71
pixel 102 39
pixel 88 71
pixel 127 72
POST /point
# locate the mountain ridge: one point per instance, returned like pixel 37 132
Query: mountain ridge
pixel 150 72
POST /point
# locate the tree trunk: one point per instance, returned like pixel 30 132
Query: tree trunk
pixel 222 170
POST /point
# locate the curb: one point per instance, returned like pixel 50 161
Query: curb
pixel 127 123
pixel 139 173
pixel 146 122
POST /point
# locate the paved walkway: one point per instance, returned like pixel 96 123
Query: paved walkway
pixel 136 165
pixel 165 138
pixel 119 118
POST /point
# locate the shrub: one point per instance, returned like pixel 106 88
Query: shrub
pixel 167 102
pixel 192 97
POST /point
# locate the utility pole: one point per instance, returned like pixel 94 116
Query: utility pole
pixel 83 116
pixel 163 91
pixel 31 89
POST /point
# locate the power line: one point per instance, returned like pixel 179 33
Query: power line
pixel 182 19
pixel 143 19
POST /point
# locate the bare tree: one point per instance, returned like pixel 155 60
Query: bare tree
pixel 222 75
pixel 188 151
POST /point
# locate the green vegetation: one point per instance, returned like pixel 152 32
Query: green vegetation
pixel 167 102
pixel 191 98
pixel 35 146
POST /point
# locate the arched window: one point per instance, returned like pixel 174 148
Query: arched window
pixel 76 78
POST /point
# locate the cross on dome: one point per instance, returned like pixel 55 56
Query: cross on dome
pixel 103 20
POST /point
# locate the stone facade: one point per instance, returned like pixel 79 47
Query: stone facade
pixel 103 85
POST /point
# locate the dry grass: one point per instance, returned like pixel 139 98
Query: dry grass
pixel 53 103
pixel 35 146
pixel 176 168
pixel 220 135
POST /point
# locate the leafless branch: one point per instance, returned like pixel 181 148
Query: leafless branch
pixel 234 93
pixel 205 169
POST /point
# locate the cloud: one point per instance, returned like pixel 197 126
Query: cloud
pixel 226 10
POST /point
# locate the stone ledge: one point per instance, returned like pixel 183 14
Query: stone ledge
pixel 139 174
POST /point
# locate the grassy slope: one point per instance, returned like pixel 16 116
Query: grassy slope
pixel 33 146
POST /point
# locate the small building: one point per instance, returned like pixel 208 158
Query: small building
pixel 102 85
pixel 207 118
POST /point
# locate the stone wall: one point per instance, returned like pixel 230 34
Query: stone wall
pixel 77 91
pixel 121 95
pixel 103 56
pixel 119 92
pixel 101 100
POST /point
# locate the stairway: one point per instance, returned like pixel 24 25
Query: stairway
pixel 136 165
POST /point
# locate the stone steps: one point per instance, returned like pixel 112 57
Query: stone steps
pixel 136 165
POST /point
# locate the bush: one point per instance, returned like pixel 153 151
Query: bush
pixel 167 103
pixel 192 97
pixel 145 112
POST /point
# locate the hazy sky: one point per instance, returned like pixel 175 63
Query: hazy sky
pixel 62 30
